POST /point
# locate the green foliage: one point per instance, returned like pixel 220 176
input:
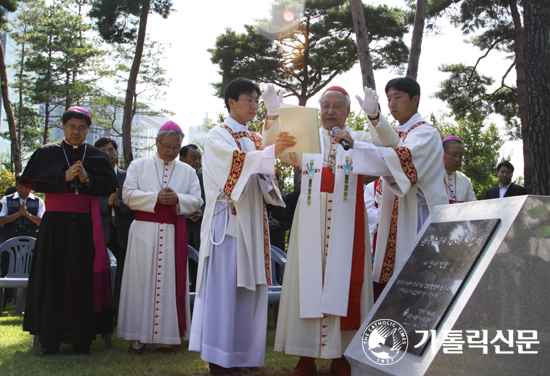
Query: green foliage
pixel 31 131
pixel 357 122
pixel 151 79
pixel 467 93
pixel 6 6
pixel 7 179
pixel 117 20
pixel 482 146
pixel 321 47
pixel 66 62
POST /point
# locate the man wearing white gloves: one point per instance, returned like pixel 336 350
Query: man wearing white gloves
pixel 411 170
pixel 327 288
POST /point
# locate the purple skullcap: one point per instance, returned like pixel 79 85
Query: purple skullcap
pixel 338 88
pixel 170 125
pixel 451 138
pixel 80 109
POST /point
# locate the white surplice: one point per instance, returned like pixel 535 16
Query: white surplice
pixel 147 311
pixel 412 170
pixel 459 187
pixel 315 293
pixel 230 314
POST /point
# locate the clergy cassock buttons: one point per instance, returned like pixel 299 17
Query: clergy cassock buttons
pixel 158 301
pixel 156 332
pixel 160 259
pixel 324 326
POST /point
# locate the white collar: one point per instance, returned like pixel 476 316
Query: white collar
pixel 116 170
pixel 235 125
pixel 160 160
pixel 74 146
pixel 16 195
pixel 415 119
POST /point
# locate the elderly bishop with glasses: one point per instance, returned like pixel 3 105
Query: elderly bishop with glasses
pixel 154 296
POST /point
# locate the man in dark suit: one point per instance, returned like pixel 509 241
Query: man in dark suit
pixel 191 154
pixel 116 217
pixel 506 188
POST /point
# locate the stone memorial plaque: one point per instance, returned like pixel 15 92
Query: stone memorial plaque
pixel 432 277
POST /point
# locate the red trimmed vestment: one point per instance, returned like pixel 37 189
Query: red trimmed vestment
pixel 413 187
pixel 327 287
pixel 230 315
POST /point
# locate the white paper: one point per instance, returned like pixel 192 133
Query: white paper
pixel 302 123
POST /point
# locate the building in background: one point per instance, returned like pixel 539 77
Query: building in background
pixel 197 134
pixel 144 127
pixel 10 57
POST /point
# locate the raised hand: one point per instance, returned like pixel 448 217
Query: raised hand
pixel 369 104
pixel 272 101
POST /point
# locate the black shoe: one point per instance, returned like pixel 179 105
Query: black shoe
pixel 83 352
pixel 48 351
pixel 217 370
pixel 242 370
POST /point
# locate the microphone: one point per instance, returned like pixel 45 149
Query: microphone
pixel 344 143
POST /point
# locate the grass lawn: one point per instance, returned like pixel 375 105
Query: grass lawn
pixel 19 358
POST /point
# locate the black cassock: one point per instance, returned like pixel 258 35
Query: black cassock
pixel 60 305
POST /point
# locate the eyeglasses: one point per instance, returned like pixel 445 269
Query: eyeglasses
pixel 175 149
pixel 250 101
pixel 79 129
pixel 453 155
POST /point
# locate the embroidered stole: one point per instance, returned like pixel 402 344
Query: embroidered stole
pixel 328 295
pixel 227 189
pixel 405 157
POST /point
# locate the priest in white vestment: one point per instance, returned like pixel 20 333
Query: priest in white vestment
pixel 154 301
pixel 458 186
pixel 412 176
pixel 327 286
pixel 230 314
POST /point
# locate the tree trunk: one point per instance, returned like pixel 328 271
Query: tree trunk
pixel 15 148
pixel 21 72
pixel 536 14
pixel 131 89
pixel 522 93
pixel 361 36
pixel 416 42
pixel 46 122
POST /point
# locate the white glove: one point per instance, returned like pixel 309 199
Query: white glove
pixel 272 101
pixel 369 104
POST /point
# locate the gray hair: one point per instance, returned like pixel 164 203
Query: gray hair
pixel 448 143
pixel 168 132
pixel 348 99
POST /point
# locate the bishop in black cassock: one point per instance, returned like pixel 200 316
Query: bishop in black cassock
pixel 68 297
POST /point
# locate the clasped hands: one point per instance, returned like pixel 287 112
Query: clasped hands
pixel 23 210
pixel 76 170
pixel 113 199
pixel 167 196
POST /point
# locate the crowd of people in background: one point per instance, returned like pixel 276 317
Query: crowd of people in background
pixel 345 226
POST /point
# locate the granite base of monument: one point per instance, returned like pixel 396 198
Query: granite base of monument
pixel 499 318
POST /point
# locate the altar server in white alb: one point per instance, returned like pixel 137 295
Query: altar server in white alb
pixel 327 287
pixel 230 314
pixel 459 186
pixel 412 175
pixel 154 299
